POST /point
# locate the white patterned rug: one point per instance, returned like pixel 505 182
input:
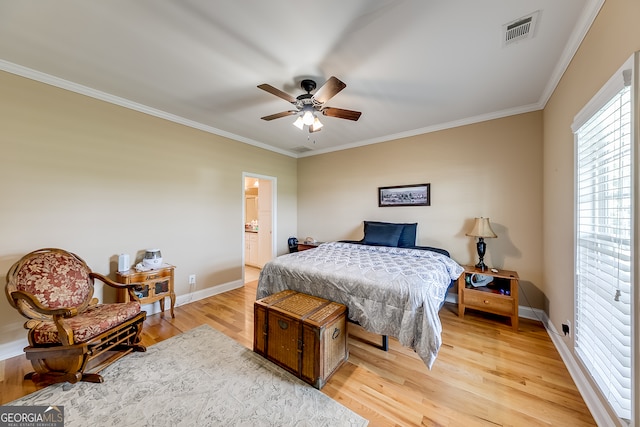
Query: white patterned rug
pixel 198 378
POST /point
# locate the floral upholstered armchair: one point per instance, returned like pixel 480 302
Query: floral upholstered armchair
pixel 71 337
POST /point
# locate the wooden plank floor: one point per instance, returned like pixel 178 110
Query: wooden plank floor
pixel 485 374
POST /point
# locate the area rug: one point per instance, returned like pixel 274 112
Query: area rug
pixel 198 378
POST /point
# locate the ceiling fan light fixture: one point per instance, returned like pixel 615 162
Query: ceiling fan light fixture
pixel 308 118
pixel 317 124
pixel 299 123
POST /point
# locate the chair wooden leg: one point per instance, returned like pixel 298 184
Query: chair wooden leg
pixel 139 347
pixel 92 378
pixel 49 378
pixel 59 377
pixel 55 365
pixel 132 347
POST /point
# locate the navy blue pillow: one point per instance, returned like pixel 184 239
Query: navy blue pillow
pixel 407 236
pixel 381 234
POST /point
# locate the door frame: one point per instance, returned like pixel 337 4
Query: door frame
pixel 274 210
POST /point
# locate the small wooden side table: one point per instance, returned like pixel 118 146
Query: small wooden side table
pixel 305 246
pixel 153 285
pixel 498 297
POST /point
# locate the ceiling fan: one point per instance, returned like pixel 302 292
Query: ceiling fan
pixel 307 104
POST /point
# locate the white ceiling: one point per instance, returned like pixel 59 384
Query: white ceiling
pixel 410 66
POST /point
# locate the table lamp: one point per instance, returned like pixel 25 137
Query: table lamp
pixel 481 230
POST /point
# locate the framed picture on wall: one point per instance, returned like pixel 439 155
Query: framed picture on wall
pixel 405 195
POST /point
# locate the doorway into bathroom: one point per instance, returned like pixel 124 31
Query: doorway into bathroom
pixel 258 223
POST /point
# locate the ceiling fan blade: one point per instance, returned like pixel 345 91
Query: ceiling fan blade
pixel 329 90
pixel 278 115
pixel 341 114
pixel 277 92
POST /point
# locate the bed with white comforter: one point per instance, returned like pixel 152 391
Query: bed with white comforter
pixel 388 290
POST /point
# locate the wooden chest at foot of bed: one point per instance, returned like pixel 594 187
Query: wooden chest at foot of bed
pixel 305 335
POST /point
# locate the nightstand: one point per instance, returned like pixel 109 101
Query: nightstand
pixel 305 246
pixel 153 285
pixel 500 296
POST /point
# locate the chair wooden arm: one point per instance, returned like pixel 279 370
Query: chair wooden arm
pixel 130 287
pixel 37 306
pixel 108 281
pixel 65 333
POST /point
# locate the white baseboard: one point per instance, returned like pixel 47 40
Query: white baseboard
pixel 194 296
pixel 589 394
pixel 16 348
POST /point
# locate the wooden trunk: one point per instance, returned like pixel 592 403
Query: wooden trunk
pixel 306 335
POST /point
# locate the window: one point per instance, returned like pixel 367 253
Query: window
pixel 604 240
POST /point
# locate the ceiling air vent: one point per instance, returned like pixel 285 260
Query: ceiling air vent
pixel 520 29
pixel 301 149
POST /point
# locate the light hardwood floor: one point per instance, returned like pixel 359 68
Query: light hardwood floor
pixel 485 374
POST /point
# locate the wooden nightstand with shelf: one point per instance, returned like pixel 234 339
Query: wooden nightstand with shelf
pixel 153 285
pixel 500 296
pixel 306 246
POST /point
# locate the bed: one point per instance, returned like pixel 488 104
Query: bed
pixel 389 289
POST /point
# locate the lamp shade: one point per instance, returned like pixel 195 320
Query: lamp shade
pixel 481 228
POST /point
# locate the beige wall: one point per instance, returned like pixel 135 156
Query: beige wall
pixel 99 180
pixel 612 39
pixel 491 169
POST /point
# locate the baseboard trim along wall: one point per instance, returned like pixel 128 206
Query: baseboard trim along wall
pixel 14 348
pixel 590 396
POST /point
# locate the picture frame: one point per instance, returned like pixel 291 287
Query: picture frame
pixel 405 195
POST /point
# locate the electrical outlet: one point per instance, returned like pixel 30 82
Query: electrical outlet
pixel 566 328
pixel 192 279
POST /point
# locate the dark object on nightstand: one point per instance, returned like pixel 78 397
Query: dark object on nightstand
pixel 293 244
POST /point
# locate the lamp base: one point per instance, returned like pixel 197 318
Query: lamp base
pixel 481 247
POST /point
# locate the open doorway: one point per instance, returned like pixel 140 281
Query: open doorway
pixel 258 225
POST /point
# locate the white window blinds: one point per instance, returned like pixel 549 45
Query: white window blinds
pixel 604 241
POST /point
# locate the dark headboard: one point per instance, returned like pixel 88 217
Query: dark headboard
pixel 401 235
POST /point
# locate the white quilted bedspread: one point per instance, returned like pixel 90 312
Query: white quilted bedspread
pixel 389 291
